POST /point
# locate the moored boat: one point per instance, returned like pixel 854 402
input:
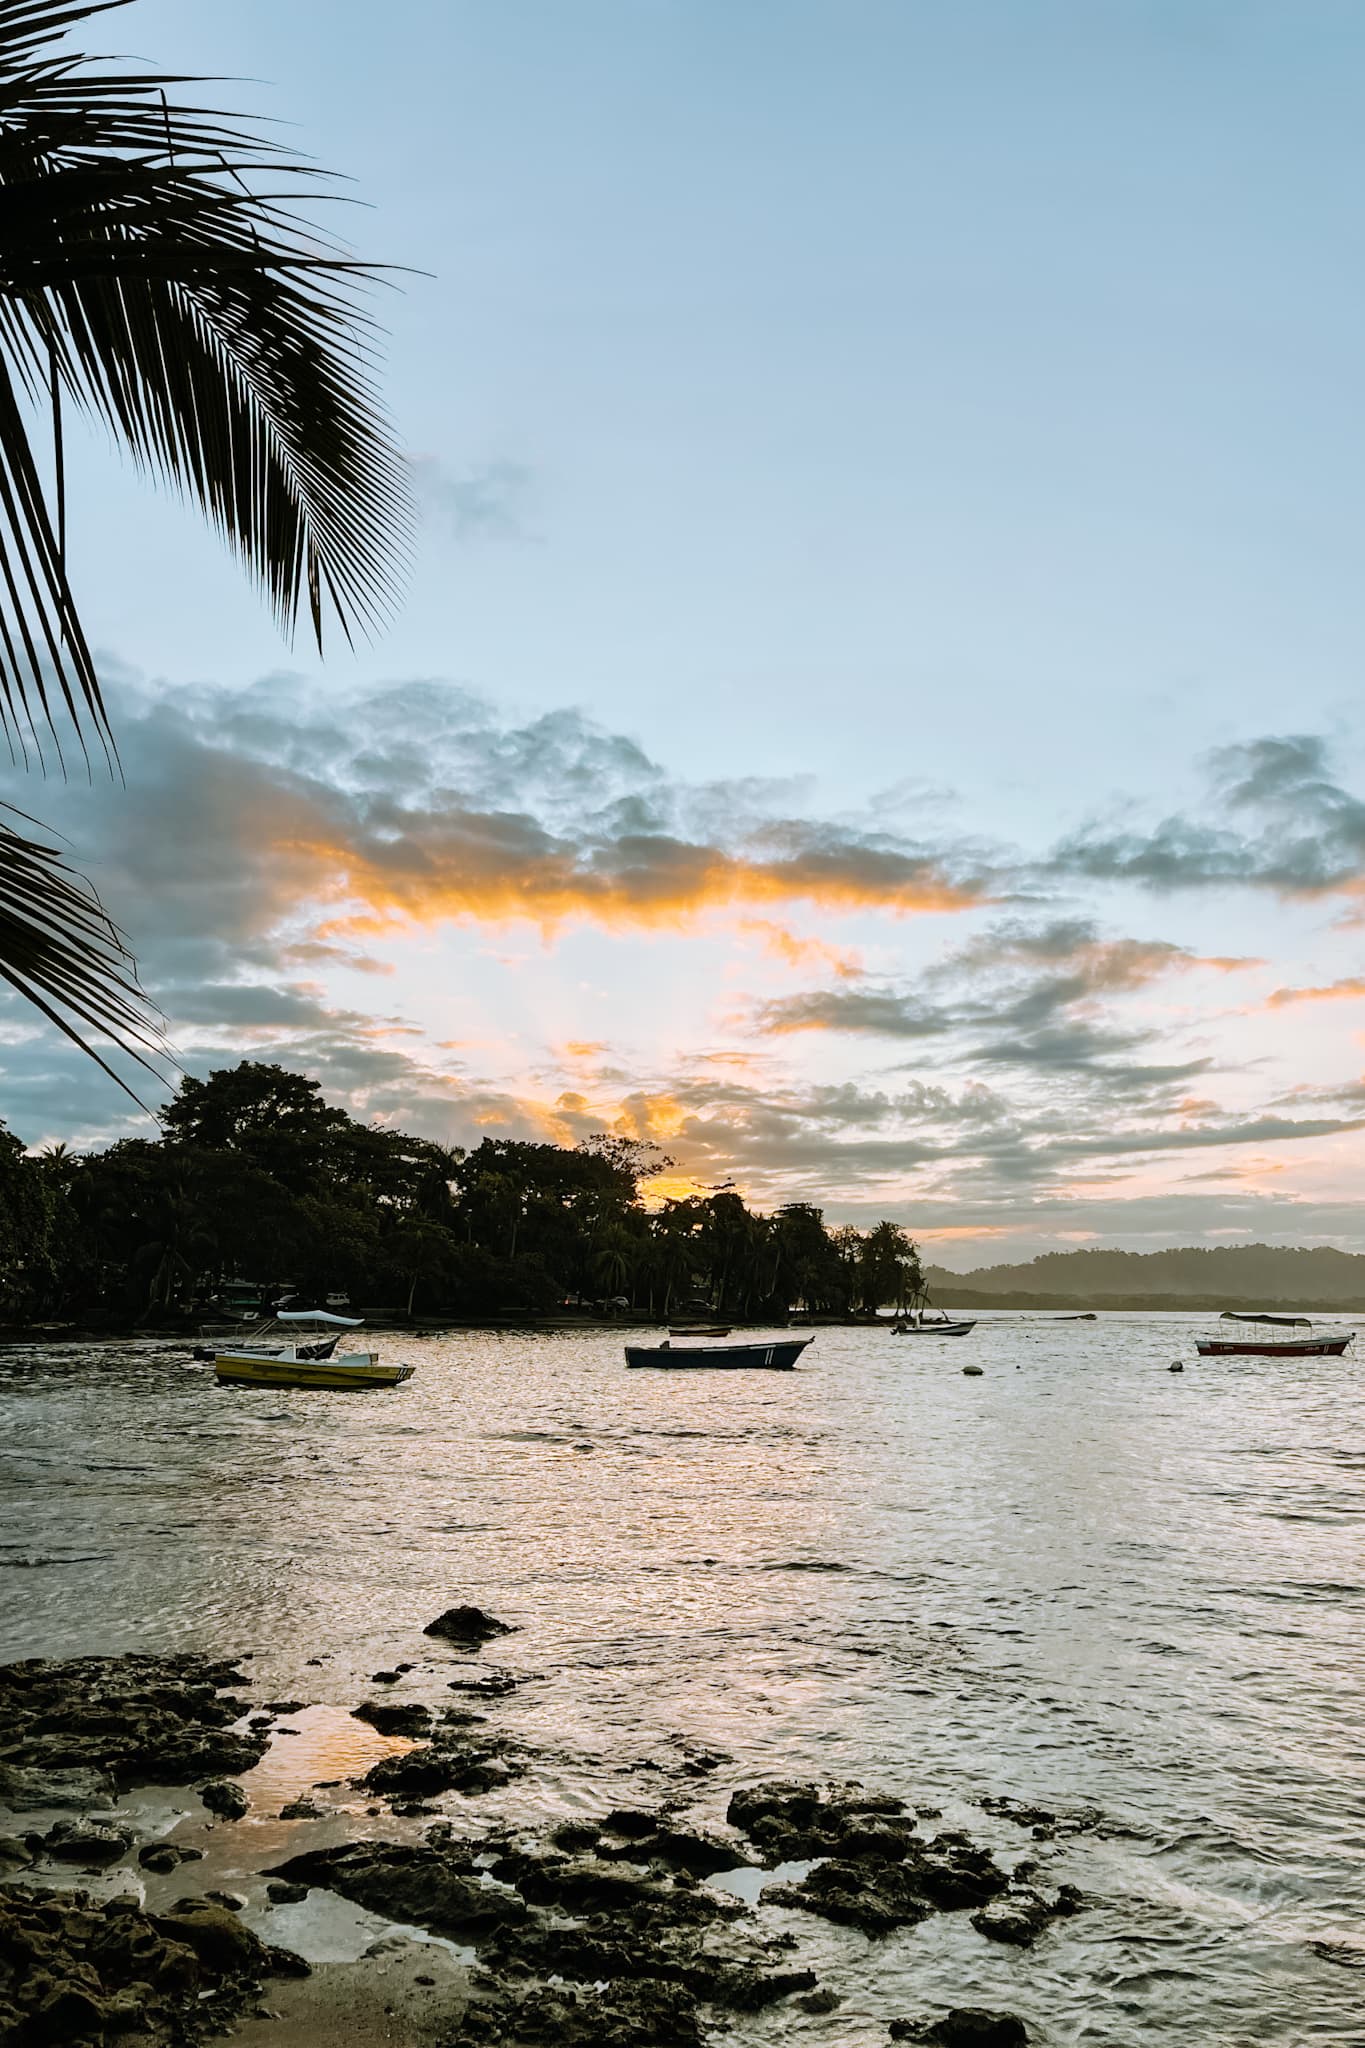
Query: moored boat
pixel 1269 1336
pixel 774 1354
pixel 350 1373
pixel 699 1329
pixel 916 1321
pixel 260 1363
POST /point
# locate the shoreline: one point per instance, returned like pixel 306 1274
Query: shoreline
pixel 134 1820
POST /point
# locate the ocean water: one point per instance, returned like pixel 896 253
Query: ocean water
pixel 1079 1579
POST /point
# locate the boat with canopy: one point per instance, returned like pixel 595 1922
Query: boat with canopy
pixel 1252 1335
pixel 292 1361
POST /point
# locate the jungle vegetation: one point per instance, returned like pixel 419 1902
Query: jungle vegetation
pixel 257 1178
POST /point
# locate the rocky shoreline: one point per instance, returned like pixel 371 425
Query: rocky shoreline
pixel 612 1930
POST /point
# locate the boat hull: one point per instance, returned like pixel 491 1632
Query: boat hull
pixel 778 1356
pixel 1306 1347
pixel 245 1369
pixel 933 1329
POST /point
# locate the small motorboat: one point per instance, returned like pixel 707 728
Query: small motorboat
pixel 917 1321
pixel 261 1363
pixel 774 1354
pixel 699 1330
pixel 1268 1336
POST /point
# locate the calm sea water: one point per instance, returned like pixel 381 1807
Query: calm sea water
pixel 1079 1579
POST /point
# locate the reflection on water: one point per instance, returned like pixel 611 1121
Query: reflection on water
pixel 1078 1579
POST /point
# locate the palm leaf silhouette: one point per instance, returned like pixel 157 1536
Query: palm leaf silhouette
pixel 156 274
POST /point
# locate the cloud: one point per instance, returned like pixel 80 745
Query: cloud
pixel 1045 1057
pixel 1346 990
pixel 881 1012
pixel 1305 833
pixel 485 502
pixel 418 806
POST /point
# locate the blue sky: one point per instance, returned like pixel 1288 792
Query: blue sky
pixel 942 421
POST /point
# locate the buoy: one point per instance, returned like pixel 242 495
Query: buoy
pixel 1177 1365
pixel 972 1372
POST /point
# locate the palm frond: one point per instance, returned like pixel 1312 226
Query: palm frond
pixel 155 271
pixel 61 951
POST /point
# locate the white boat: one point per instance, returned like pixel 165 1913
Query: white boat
pixel 917 1322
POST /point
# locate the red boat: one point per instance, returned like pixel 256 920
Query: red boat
pixel 1257 1336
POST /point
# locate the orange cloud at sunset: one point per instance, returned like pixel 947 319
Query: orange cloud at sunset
pixel 798 952
pixel 1347 990
pixel 429 866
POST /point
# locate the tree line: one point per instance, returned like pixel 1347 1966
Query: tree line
pixel 258 1184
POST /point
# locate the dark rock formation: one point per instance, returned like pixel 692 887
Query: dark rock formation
pixel 791 1821
pixel 425 1885
pixel 965 2026
pixel 135 1720
pixel 71 1971
pixel 88 1842
pixel 224 1798
pixel 392 1717
pixel 1022 1915
pixel 467 1627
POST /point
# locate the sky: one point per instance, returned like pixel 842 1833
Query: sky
pixel 875 705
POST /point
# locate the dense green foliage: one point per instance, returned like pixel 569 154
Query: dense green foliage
pixel 257 1178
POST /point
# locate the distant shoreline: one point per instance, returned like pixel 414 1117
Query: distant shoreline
pixel 964 1301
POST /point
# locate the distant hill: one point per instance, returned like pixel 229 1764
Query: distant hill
pixel 1227 1276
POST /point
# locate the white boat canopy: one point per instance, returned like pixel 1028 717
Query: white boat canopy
pixel 317 1315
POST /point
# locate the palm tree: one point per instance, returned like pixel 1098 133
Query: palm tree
pixel 155 275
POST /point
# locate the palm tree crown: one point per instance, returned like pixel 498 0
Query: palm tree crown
pixel 155 275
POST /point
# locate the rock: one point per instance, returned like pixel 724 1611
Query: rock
pixel 284 1706
pixel 120 1720
pixel 225 1799
pixel 281 1892
pixel 467 1627
pixel 443 1767
pixel 820 2001
pixel 631 1822
pixel 217 1937
pixel 159 1856
pixel 491 1685
pixel 576 1834
pixel 90 1842
pixel 1022 1915
pixel 301 1809
pixel 14 1853
pixel 791 1821
pixel 69 2015
pixel 391 1718
pixel 431 1885
pixel 621 2016
pixel 583 1885
pixel 878 1894
pixel 681 1849
pixel 1042 1821
pixel 384 1677
pixel 235 1902
pixel 876 1898
pixel 965 2026
pixel 70 1972
pixel 282 1962
pixel 24 1790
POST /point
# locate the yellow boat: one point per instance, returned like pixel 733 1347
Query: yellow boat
pixel 256 1369
pixel 262 1364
